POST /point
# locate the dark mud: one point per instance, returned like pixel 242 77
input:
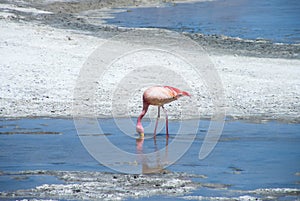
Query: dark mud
pixel 80 185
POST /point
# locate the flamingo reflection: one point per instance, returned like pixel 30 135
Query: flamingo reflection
pixel 149 167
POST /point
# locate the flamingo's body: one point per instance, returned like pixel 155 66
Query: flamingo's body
pixel 158 96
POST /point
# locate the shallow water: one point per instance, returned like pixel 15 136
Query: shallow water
pixel 274 20
pixel 255 160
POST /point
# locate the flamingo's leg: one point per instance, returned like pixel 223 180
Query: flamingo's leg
pixel 167 126
pixel 156 123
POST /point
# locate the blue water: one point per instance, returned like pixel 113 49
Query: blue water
pixel 248 155
pixel 274 20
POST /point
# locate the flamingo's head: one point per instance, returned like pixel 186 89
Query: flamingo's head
pixel 140 129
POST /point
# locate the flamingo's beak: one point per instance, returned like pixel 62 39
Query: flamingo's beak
pixel 142 135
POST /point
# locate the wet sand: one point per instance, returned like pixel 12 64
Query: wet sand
pixel 45 46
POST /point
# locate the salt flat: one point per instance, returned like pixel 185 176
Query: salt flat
pixel 40 65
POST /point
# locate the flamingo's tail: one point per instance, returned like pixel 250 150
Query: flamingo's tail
pixel 185 93
pixel 178 91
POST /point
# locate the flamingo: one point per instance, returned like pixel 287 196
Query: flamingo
pixel 158 96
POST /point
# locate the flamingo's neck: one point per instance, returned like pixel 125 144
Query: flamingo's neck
pixel 139 126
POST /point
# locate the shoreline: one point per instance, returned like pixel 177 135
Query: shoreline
pixel 245 119
pixel 40 72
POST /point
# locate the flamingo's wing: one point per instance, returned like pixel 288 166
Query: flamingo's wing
pixel 158 95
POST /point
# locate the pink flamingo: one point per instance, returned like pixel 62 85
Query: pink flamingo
pixel 158 95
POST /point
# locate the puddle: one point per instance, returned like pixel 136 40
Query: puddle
pixel 251 161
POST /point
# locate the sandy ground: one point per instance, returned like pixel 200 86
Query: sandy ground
pixel 40 65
